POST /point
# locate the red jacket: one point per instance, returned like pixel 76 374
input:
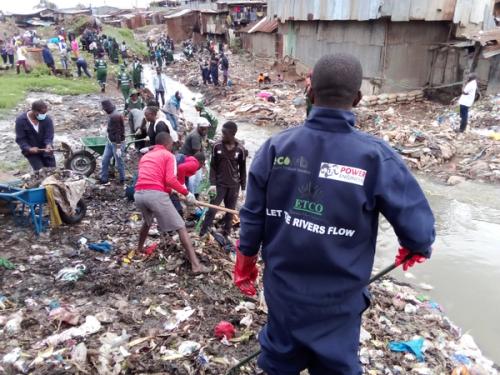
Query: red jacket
pixel 187 169
pixel 157 171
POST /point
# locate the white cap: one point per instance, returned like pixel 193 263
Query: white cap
pixel 202 122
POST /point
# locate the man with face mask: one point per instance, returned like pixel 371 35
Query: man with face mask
pixel 35 135
pixel 115 147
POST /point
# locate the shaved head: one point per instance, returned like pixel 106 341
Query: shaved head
pixel 336 81
pixel 164 139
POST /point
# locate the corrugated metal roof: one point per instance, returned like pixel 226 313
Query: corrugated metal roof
pixel 180 13
pixel 362 10
pixel 265 25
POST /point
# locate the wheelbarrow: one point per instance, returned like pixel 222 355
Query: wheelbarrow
pixel 85 161
pixel 26 205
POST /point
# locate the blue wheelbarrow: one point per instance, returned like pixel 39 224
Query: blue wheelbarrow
pixel 26 205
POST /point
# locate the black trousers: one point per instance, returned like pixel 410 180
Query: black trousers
pixel 41 161
pixel 464 117
pixel 230 198
pixel 82 66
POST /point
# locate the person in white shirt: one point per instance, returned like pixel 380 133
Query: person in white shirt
pixel 467 99
pixel 159 83
pixel 21 60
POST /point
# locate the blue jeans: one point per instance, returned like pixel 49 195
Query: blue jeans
pixel 109 152
pixel 173 120
pixel 195 181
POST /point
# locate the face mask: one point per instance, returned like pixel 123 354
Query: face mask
pixel 41 116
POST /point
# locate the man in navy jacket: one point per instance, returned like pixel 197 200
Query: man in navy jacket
pixel 48 59
pixel 314 196
pixel 35 136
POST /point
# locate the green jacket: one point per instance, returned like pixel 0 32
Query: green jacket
pixel 101 65
pixel 124 79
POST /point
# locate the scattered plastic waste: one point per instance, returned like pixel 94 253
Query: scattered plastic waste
pixel 71 273
pixel 5 303
pixel 13 325
pixel 7 264
pixel 412 346
pixel 103 247
pixel 66 314
pixel 79 354
pixel 188 347
pixel 151 249
pixel 224 330
pixel 12 356
pixel 91 326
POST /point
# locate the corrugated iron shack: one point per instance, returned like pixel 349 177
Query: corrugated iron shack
pixel 262 39
pixel 183 24
pixel 402 44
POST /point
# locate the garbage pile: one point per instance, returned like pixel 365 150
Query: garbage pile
pixel 406 332
pixel 78 299
pixel 425 137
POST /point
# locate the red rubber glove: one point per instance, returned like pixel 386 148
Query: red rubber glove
pixel 410 259
pixel 245 272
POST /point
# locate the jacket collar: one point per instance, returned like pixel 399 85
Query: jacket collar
pixel 332 120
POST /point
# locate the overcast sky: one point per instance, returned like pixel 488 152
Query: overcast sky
pixel 24 5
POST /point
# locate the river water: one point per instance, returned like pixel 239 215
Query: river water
pixel 465 268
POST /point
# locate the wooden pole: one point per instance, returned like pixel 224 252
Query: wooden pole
pixel 218 208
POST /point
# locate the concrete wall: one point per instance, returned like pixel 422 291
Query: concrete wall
pixel 394 55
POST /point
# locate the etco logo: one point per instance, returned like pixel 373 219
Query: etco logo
pixel 309 195
pixel 309 207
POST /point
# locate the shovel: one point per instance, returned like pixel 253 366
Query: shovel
pixel 234 370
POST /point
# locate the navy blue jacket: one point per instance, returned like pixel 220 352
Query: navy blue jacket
pixel 26 135
pixel 47 56
pixel 313 201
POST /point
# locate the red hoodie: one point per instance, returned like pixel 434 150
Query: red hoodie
pixel 187 169
pixel 157 171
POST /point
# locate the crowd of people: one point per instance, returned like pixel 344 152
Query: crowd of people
pixel 324 200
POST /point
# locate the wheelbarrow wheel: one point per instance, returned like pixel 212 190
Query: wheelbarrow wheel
pixel 82 162
pixel 80 211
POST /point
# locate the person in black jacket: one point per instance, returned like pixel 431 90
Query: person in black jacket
pixel 115 147
pixel 35 135
pixel 227 174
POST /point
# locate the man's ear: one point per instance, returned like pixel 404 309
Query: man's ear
pixel 359 96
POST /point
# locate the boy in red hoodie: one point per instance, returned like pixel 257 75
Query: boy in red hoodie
pixel 156 181
pixel 186 169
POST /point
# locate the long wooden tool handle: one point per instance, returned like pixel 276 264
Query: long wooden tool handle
pixel 219 208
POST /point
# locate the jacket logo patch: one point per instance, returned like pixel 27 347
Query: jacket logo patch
pixel 295 164
pixel 342 173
